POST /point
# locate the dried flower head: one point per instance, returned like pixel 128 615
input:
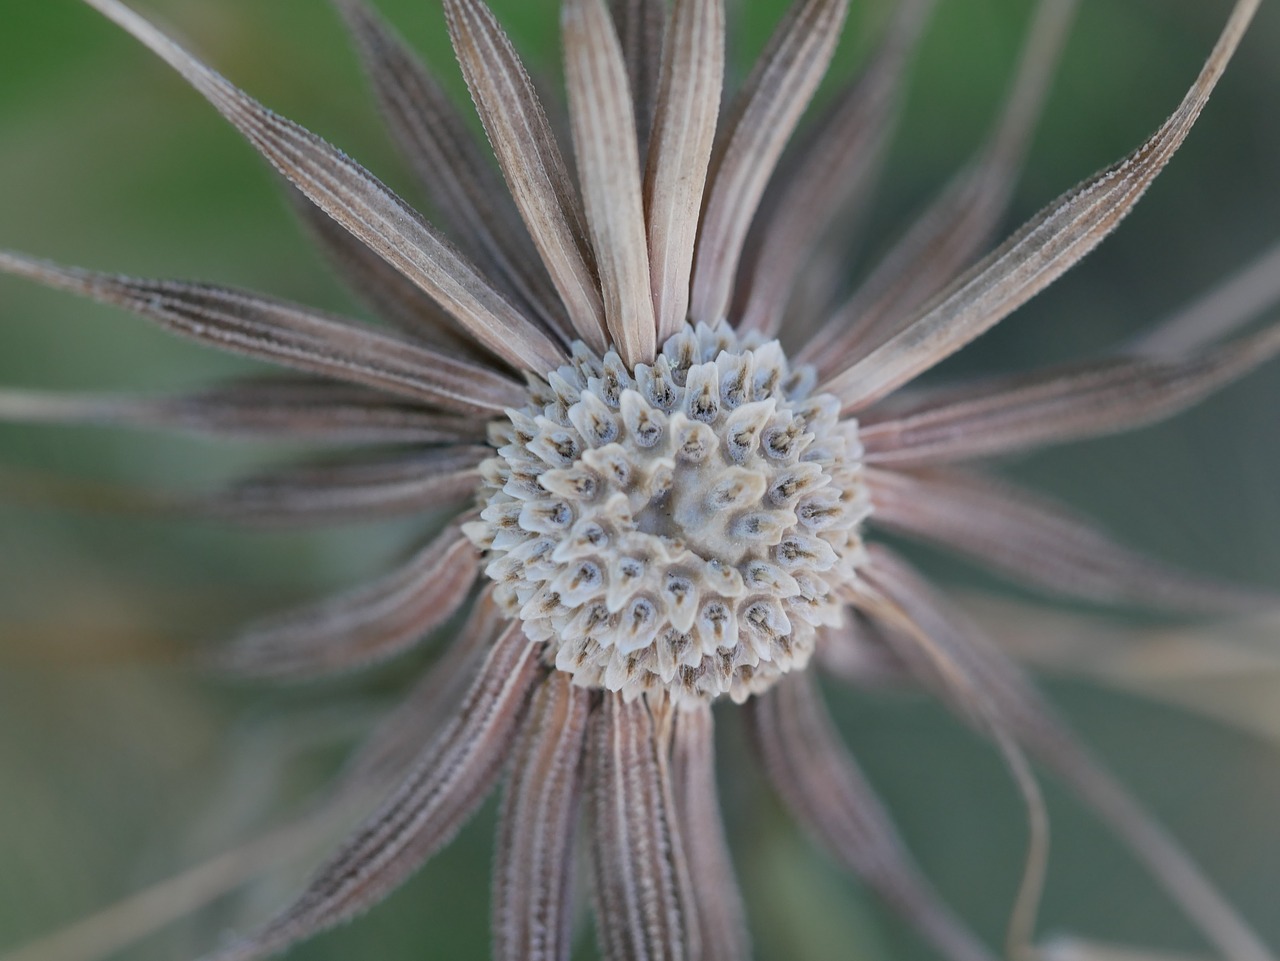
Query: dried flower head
pixel 668 451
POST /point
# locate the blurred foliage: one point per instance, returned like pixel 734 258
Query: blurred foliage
pixel 120 764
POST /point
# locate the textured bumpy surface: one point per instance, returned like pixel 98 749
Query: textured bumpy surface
pixel 685 527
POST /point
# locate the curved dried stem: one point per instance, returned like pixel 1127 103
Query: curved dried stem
pixel 287 334
pixel 721 918
pixel 759 126
pixel 446 784
pixel 1035 541
pixel 252 408
pixel 684 128
pixel 533 874
pixel 1035 725
pixel 923 646
pixel 826 791
pixel 430 705
pixel 952 231
pixel 1059 404
pixel 645 907
pixel 828 178
pixel 451 164
pixel 363 626
pixel 356 199
pixel 1038 253
pixel 604 138
pixel 531 162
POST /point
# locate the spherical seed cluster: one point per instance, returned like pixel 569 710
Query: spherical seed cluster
pixel 683 528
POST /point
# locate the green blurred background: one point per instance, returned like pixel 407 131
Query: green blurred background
pixel 119 763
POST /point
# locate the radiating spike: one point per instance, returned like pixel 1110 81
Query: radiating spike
pixel 1038 542
pixel 760 123
pixel 826 791
pixel 391 295
pixel 450 162
pixel 721 918
pixel 684 129
pixel 347 490
pixel 430 706
pixel 641 25
pixel 1038 253
pixel 1237 300
pixel 828 177
pixel 446 784
pixel 266 409
pixel 1034 723
pixel 365 625
pixel 315 493
pixel 854 653
pixel 531 162
pixel 287 334
pixel 951 233
pixel 604 137
pixel 919 646
pixel 357 200
pixel 533 873
pixel 1061 404
pixel 645 908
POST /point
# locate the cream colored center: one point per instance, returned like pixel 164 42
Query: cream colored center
pixel 685 527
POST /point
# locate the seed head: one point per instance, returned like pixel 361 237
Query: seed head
pixel 685 526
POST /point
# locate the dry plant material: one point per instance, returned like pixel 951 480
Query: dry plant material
pixel 664 506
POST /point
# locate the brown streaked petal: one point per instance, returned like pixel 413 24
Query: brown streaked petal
pixel 721 918
pixel 448 781
pixel 828 794
pixel 361 626
pixel 348 490
pixel 684 129
pixel 760 123
pixel 828 178
pixel 1034 723
pixel 1224 671
pixel 1061 404
pixel 1036 541
pixel 333 492
pixel 645 909
pixel 854 653
pixel 640 25
pixel 953 230
pixel 604 138
pixel 531 162
pixel 431 704
pixel 256 408
pixel 1038 253
pixel 1237 300
pixel 533 871
pixel 922 647
pixel 287 334
pixel 362 204
pixel 449 162
pixel 391 295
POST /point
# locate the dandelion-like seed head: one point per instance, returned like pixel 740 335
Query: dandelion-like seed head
pixel 690 422
pixel 683 527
